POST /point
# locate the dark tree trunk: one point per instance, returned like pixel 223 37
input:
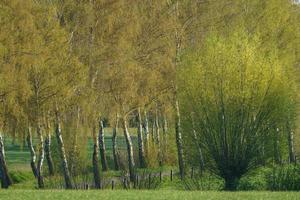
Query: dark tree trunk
pixel 32 153
pixel 97 179
pixel 131 164
pixel 5 178
pixel 48 155
pixel 179 140
pixel 277 155
pixel 231 183
pixel 114 145
pixel 290 134
pixel 140 141
pixel 61 148
pixel 102 147
pixel 41 158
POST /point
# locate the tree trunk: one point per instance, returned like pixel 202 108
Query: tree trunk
pixel 277 156
pixel 179 140
pixel 48 154
pixel 73 161
pixel 157 133
pixel 5 178
pixel 61 148
pixel 102 147
pixel 292 157
pixel 114 145
pixel 178 39
pixel 131 164
pixel 157 137
pixel 41 158
pixel 231 183
pixel 140 141
pixel 165 129
pixel 164 139
pixel 97 179
pixel 32 153
pixel 153 130
pixel 48 151
pixel 201 161
pixel 146 130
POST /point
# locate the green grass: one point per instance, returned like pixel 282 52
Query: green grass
pixel 18 156
pixel 145 195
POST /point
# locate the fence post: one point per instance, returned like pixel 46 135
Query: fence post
pixel 149 181
pixel 192 173
pixel 124 183
pixel 171 175
pixel 160 176
pixel 112 184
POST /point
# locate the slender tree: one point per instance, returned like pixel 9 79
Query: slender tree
pixel 102 146
pixel 140 140
pixel 114 143
pixel 5 178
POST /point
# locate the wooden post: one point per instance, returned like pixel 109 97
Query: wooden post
pixel 171 175
pixel 124 183
pixel 112 184
pixel 137 181
pixel 134 182
pixel 149 181
pixel 192 173
pixel 160 176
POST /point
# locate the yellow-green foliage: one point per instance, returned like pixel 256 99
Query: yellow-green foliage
pixel 233 94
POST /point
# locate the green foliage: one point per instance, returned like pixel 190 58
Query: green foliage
pixel 284 178
pixel 255 180
pixel 21 176
pixel 232 94
pixel 204 182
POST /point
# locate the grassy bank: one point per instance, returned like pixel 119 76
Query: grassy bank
pixel 145 195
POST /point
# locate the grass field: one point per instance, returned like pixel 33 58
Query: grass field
pixel 18 159
pixel 18 156
pixel 145 195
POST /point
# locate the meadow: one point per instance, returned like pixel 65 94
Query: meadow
pixel 145 195
pixel 18 154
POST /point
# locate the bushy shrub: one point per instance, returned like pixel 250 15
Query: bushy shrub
pixel 255 180
pixel 21 176
pixel 205 181
pixel 284 178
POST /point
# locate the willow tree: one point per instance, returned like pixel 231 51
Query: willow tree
pixel 276 21
pixel 236 94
